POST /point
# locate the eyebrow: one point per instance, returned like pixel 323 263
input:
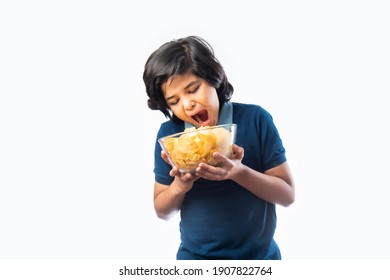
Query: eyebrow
pixel 190 84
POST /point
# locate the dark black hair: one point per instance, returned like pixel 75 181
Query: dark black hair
pixel 186 55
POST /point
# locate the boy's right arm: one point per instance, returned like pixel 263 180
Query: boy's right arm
pixel 168 198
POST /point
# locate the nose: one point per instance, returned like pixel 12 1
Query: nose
pixel 188 104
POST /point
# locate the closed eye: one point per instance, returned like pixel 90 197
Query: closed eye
pixel 173 102
pixel 194 90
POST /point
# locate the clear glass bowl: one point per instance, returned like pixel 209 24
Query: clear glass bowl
pixel 189 148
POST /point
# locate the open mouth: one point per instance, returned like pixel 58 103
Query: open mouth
pixel 201 117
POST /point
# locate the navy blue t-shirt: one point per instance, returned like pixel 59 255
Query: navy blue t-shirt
pixel 221 219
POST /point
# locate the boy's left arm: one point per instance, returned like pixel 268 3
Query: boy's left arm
pixel 275 185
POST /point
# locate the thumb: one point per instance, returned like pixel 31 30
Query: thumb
pixel 238 152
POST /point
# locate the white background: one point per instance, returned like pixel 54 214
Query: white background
pixel 77 138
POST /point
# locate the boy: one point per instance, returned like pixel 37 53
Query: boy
pixel 227 212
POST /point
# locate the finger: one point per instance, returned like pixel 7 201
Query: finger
pixel 189 177
pixel 222 160
pixel 209 175
pixel 238 152
pixel 209 172
pixel 174 171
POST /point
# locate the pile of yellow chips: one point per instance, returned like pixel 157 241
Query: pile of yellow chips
pixel 198 145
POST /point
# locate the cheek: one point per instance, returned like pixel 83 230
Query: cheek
pixel 213 98
pixel 178 111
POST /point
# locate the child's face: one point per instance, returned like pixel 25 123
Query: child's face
pixel 192 99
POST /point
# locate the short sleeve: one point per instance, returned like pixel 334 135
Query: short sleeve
pixel 272 150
